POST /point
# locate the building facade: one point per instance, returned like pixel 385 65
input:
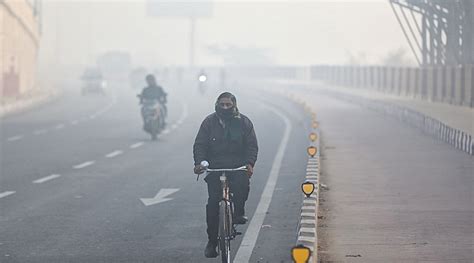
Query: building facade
pixel 19 46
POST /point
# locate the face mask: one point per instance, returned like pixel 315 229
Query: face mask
pixel 225 113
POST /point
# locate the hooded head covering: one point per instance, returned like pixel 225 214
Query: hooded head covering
pixel 230 118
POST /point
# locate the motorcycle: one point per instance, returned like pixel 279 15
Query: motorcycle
pixel 153 116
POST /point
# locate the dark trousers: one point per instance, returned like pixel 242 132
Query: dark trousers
pixel 239 185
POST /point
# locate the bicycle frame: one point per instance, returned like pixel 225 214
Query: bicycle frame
pixel 227 230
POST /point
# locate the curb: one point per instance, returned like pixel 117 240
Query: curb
pixel 306 231
pixel 25 104
pixel 308 224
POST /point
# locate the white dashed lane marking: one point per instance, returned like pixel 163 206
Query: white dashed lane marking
pixel 15 138
pixel 7 193
pixel 59 126
pixel 38 132
pixel 47 178
pixel 83 165
pixel 136 145
pixel 113 154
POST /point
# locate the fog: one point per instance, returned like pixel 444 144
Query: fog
pixel 105 125
pixel 265 32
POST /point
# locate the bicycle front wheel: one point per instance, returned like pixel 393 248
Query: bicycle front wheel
pixel 224 231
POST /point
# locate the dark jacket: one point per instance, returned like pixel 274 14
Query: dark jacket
pixel 210 144
pixel 154 93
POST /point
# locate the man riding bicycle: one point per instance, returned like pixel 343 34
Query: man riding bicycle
pixel 226 139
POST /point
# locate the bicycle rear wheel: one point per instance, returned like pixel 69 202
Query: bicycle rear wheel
pixel 224 231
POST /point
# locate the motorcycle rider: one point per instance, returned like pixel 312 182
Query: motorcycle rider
pixel 226 139
pixel 154 92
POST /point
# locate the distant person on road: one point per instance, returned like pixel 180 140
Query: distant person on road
pixel 154 92
pixel 226 139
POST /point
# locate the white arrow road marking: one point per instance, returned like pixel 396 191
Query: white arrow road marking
pixel 47 178
pixel 113 154
pixel 15 138
pixel 136 145
pixel 83 165
pixel 7 193
pixel 160 197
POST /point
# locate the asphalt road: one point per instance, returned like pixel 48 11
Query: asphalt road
pixel 74 173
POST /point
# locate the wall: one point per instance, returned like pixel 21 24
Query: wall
pixel 19 43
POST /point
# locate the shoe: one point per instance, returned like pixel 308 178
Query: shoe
pixel 210 251
pixel 240 220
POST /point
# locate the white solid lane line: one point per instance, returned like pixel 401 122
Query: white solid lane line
pixel 83 165
pixel 75 122
pixel 136 145
pixel 47 178
pixel 7 193
pixel 113 154
pixel 250 237
pixel 15 138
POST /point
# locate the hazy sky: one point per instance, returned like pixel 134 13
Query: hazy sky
pixel 294 32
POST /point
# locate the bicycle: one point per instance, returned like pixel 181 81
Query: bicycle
pixel 227 230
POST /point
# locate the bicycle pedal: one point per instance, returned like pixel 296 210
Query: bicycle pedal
pixel 238 233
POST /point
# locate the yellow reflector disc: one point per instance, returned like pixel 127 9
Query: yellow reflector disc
pixel 308 188
pixel 312 151
pixel 300 254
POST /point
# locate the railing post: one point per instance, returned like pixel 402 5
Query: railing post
pixel 449 83
pixel 411 91
pixel 468 85
pixel 458 85
pixel 419 83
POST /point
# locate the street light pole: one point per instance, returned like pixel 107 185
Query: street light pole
pixel 191 40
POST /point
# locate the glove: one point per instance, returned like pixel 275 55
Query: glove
pixel 249 170
pixel 199 169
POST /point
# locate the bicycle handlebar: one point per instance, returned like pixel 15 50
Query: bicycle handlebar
pixel 205 164
pixel 241 168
